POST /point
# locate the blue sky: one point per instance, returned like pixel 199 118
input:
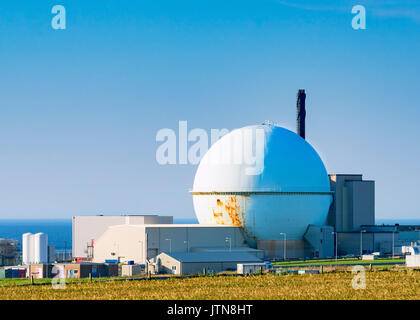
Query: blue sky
pixel 80 108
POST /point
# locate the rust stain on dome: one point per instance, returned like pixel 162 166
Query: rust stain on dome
pixel 228 212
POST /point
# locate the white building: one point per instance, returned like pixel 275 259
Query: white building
pixel 86 229
pixel 140 243
pixel 195 262
pixel 412 259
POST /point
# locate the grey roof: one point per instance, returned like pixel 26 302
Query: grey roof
pixel 225 256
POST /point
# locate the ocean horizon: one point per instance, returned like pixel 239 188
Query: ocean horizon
pixel 59 231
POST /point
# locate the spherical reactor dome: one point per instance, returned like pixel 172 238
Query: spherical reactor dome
pixel 264 178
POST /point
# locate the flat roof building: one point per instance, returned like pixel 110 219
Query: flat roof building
pixel 86 229
pixel 353 204
pixel 196 262
pixel 140 243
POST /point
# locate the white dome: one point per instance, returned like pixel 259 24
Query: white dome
pixel 264 178
pixel 289 163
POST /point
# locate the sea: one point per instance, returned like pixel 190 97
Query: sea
pixel 59 230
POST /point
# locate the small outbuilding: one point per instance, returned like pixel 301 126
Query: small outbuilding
pixel 369 256
pixel 195 262
pixel 39 271
pixel 412 259
pixel 84 270
pixel 128 270
pixel 73 270
pixel 250 268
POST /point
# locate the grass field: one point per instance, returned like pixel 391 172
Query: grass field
pixel 379 285
pixel 333 262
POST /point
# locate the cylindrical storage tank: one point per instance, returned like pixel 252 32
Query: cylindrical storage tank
pixel 26 244
pixel 31 248
pixel 40 248
pixel 265 179
pixel 36 248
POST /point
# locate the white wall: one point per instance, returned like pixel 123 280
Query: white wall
pixel 86 228
pixel 126 240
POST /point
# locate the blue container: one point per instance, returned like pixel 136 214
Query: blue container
pixel 15 273
pixel 111 261
pixel 5 273
pixel 131 262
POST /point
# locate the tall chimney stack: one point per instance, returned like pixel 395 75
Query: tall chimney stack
pixel 301 112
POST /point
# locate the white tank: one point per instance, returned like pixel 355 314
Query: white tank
pixel 31 248
pixel 40 244
pixel 26 244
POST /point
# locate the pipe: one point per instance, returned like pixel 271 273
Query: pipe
pixel 301 112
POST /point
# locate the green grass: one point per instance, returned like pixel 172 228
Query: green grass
pixel 333 261
pixel 379 285
pixel 9 282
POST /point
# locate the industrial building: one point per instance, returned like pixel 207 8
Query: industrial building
pixel 128 270
pixel 195 262
pixel 72 270
pixel 40 271
pixel 35 249
pixel 140 243
pixel 13 272
pixel 354 202
pixel 85 229
pixel 284 205
pixel 7 252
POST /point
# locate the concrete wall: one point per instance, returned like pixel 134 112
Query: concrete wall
pixel 187 238
pixel 409 236
pixel 349 243
pixel 88 228
pixel 130 270
pixel 39 271
pixel 124 241
pixel 197 267
pixel 320 241
pixel 141 242
pixel 354 202
pixel 336 214
pixel 412 261
pixel 274 249
pixel 258 253
pixel 166 264
pixel 361 203
pixel 381 241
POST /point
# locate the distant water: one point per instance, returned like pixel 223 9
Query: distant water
pixel 399 221
pixel 58 231
pixel 185 221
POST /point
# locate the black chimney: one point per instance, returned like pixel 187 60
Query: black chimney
pixel 301 112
